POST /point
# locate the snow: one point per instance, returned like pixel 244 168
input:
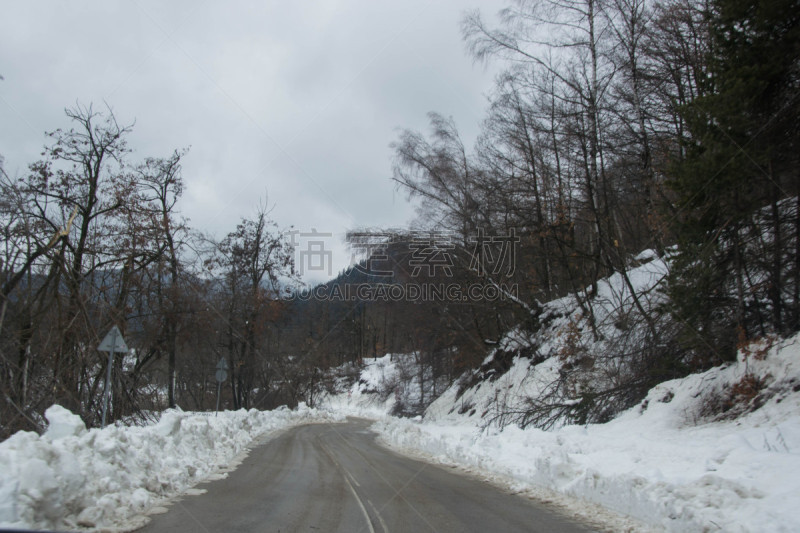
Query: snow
pixel 667 462
pixel 73 478
pixel 370 396
pixel 62 423
pixel 646 256
pixel 376 374
pixel 387 384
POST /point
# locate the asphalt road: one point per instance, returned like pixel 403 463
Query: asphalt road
pixel 335 477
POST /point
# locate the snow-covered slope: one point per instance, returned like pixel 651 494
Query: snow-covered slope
pixel 679 461
pixel 70 478
pixel 371 395
pixel 382 385
pixel 577 351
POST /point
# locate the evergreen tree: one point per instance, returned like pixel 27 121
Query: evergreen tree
pixel 733 271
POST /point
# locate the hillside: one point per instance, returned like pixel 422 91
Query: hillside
pixel 573 365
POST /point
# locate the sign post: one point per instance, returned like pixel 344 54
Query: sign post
pixel 222 375
pixel 112 342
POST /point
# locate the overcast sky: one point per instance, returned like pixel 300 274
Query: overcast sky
pixel 296 102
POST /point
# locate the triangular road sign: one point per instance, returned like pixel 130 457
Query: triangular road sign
pixel 113 339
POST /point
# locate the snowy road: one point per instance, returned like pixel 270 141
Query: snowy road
pixel 335 477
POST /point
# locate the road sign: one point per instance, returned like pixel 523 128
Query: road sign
pixel 112 342
pixel 222 375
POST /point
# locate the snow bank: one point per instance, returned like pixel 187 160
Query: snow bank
pixel 71 478
pixel 666 462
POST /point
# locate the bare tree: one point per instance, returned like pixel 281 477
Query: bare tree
pixel 255 260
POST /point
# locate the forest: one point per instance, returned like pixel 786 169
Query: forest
pixel 615 127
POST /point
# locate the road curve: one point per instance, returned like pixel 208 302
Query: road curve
pixel 335 477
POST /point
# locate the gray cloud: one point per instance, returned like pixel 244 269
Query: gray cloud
pixel 298 100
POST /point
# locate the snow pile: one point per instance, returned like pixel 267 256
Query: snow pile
pixel 71 478
pixel 382 385
pixel 372 395
pixel 378 375
pixel 362 406
pixel 672 461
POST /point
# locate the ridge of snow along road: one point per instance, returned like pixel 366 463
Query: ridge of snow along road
pixel 71 478
pixel 663 462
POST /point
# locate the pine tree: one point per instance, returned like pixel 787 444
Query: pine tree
pixel 741 162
